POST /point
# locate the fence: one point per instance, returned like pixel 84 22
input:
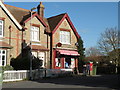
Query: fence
pixel 14 75
pixel 36 74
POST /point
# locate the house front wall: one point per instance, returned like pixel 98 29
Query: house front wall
pixel 11 36
pixel 73 38
pixel 44 39
pixel 67 47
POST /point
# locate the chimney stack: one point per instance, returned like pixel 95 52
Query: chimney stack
pixel 40 10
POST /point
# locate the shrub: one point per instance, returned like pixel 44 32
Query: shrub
pixel 7 67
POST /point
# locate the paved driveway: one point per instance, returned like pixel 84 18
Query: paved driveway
pixel 96 82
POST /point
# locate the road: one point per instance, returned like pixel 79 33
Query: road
pixel 100 82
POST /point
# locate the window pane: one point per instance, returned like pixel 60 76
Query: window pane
pixel 60 36
pixel 3 57
pixel 0 58
pixel 1 28
pixel 3 63
pixel 0 32
pixel 32 35
pixel 1 22
pixel 3 52
pixel 65 37
pixel 35 33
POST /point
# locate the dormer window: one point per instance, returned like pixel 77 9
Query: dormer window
pixel 35 33
pixel 1 28
pixel 65 37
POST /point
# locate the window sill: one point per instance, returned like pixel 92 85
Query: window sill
pixel 66 43
pixel 1 37
pixel 35 41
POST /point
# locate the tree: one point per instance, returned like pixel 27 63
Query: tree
pixel 109 42
pixel 81 50
pixel 93 54
pixel 93 51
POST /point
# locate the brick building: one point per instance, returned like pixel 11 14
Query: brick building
pixel 63 32
pixel 19 27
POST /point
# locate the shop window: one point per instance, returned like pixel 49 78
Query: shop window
pixel 67 63
pixel 2 57
pixel 58 63
pixel 1 28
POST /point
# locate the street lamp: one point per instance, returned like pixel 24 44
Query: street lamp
pixel 97 62
pixel 110 61
pixel 76 68
pixel 31 44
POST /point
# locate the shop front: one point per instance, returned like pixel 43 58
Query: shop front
pixel 65 59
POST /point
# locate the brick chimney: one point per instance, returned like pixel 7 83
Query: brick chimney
pixel 40 10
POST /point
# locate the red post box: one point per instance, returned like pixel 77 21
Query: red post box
pixel 91 66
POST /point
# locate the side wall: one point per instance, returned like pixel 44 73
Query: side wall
pixel 44 38
pixel 12 36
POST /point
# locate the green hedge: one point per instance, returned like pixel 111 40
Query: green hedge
pixel 106 70
pixel 6 68
pixel 24 63
pixel 118 69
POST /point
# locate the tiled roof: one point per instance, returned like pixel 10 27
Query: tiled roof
pixel 53 21
pixel 18 13
pixel 4 45
pixel 22 15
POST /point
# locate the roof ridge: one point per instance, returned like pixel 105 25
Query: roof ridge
pixel 17 7
pixel 57 15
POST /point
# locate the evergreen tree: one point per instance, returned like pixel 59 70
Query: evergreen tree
pixel 81 50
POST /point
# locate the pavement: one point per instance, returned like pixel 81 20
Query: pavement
pixel 97 82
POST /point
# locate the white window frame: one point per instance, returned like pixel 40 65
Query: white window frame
pixel 1 55
pixel 65 37
pixel 35 31
pixel 41 56
pixel 2 25
pixel 35 54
